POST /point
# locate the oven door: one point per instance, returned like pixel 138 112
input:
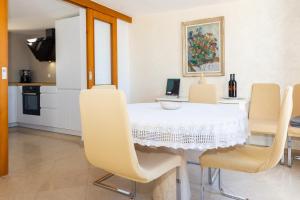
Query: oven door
pixel 31 103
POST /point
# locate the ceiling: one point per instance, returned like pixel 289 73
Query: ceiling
pixel 28 15
pixel 141 7
pixel 25 15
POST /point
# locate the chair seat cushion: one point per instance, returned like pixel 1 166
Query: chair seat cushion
pixel 268 127
pixel 155 163
pixel 247 158
pixel 294 131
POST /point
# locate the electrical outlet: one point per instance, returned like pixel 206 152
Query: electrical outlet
pixel 49 75
pixel 4 73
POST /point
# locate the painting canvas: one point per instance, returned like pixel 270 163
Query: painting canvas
pixel 203 47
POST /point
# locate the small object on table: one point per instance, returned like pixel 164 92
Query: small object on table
pixel 295 122
pixel 202 78
pixel 232 86
pixel 173 86
pixel 168 105
pixel 172 99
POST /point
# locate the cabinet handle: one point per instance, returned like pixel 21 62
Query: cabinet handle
pixel 30 93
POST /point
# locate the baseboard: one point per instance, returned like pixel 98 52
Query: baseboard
pixel 11 125
pixel 50 129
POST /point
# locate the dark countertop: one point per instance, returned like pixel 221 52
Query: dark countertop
pixel 31 84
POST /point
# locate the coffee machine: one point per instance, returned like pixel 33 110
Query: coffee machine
pixel 25 76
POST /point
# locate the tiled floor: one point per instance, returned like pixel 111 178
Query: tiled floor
pixel 45 165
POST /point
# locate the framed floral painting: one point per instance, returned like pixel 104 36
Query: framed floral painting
pixel 203 47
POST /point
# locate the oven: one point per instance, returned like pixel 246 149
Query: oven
pixel 31 100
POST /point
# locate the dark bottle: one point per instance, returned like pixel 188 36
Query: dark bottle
pixel 234 86
pixel 230 86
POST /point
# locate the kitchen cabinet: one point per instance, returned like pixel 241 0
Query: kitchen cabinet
pixel 59 111
pixel 49 100
pixel 68 110
pixel 70 57
pixel 12 105
pixel 60 104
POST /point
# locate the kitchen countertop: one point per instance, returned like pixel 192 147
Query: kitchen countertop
pixel 31 84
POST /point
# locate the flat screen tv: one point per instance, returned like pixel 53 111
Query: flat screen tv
pixel 173 86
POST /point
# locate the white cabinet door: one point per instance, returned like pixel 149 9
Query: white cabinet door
pixel 48 89
pixel 12 104
pixel 68 53
pixel 49 101
pixel 68 116
pixel 48 117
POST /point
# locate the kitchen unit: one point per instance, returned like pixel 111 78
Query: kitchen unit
pixel 62 117
pixel 59 102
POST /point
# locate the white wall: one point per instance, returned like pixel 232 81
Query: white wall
pixel 19 56
pixel 262 40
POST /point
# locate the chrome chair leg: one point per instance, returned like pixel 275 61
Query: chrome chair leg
pixel 282 159
pixel 223 193
pixel 212 175
pixel 290 152
pixel 100 183
pixel 202 184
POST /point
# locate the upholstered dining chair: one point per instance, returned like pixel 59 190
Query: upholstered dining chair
pixel 108 142
pixel 294 132
pixel 264 108
pixel 104 87
pixel 248 158
pixel 203 93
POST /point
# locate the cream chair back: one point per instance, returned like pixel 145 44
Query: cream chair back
pixel 203 93
pixel 108 142
pixel 104 87
pixel 296 100
pixel 277 148
pixel 265 102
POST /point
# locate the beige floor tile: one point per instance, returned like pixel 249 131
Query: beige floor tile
pixel 46 166
pixel 75 193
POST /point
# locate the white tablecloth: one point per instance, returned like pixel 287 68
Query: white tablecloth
pixel 192 127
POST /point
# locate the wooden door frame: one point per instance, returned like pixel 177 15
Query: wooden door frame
pixel 3 88
pixel 92 8
pixel 90 17
pixel 88 4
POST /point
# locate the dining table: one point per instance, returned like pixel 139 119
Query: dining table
pixel 193 126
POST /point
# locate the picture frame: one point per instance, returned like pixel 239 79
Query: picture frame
pixel 203 47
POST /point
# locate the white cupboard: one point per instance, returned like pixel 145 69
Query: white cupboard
pixel 59 111
pixel 12 105
pixel 68 110
pixel 68 55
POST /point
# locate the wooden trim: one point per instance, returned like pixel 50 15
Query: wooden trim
pixel 3 90
pixel 91 16
pixel 90 48
pixel 114 45
pixel 102 9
